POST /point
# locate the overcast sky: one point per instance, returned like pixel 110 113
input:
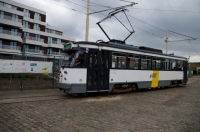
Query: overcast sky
pixel 182 16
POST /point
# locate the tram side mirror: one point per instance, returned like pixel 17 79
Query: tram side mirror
pixel 87 50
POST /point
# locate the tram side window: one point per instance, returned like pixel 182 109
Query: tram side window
pixel 165 64
pixel 173 65
pixel 133 61
pixel 118 60
pixel 145 62
pixel 156 63
pixel 79 59
pixel 179 65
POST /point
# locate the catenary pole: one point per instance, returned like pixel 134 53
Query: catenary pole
pixel 87 21
pixel 166 41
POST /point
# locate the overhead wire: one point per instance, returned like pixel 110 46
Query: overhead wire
pixel 153 25
pixel 106 15
pixel 101 14
pixel 167 10
pixel 144 9
pixel 65 6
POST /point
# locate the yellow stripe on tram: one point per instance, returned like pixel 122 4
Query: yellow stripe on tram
pixel 155 78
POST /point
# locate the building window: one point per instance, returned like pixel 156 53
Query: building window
pixel 13 45
pixel 36 27
pixel 37 16
pixel 26 13
pixel 58 41
pixel 1 29
pixel 49 40
pixel 0 43
pixel 37 48
pixel 25 24
pixel 26 34
pixel 26 47
pixel 14 32
pixel 118 60
pixel 2 14
pixel 49 50
pixel 14 17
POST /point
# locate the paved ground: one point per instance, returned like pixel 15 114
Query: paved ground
pixel 170 110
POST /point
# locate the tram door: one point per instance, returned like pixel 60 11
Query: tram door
pixel 97 72
pixel 185 64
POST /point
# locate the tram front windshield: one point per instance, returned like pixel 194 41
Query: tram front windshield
pixel 72 60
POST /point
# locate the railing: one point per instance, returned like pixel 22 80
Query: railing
pixel 57 33
pixel 34 38
pixel 34 51
pixel 55 53
pixel 55 42
pixel 25 26
pixel 10 47
pixel 10 18
pixel 9 6
pixel 10 33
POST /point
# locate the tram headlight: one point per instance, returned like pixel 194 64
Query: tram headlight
pixel 65 72
pixel 65 78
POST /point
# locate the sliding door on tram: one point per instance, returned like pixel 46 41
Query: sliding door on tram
pixel 98 71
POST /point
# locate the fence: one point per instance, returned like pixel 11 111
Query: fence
pixel 24 81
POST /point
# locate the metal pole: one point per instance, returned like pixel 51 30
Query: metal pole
pixel 87 21
pixel 166 41
pixel 53 71
pixel 21 76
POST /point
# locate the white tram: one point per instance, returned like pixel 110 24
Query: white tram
pixel 113 67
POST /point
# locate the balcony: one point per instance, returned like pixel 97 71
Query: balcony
pixel 11 9
pixel 5 34
pixel 34 41
pixel 27 18
pixel 55 53
pixel 8 48
pixel 55 44
pixel 34 51
pixel 57 33
pixel 8 20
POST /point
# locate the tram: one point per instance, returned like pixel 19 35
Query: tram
pixel 115 67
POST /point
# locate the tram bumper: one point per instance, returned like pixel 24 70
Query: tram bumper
pixel 64 86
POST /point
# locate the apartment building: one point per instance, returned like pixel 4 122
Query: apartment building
pixel 24 29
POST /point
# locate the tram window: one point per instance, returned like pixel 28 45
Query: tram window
pixel 174 65
pixel 145 62
pixel 79 59
pixel 156 63
pixel 118 60
pixel 133 61
pixel 165 64
pixel 73 58
pixel 179 65
pixel 104 59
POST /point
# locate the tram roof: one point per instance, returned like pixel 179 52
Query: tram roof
pixel 126 47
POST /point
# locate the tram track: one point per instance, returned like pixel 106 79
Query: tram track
pixel 21 99
pixel 33 99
